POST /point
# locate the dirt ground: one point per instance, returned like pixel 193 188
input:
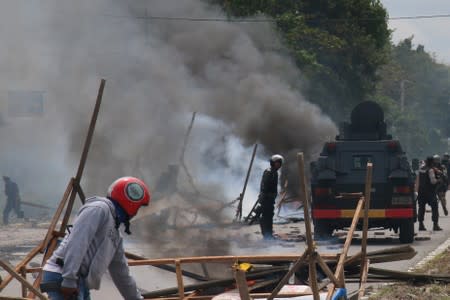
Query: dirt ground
pixel 17 239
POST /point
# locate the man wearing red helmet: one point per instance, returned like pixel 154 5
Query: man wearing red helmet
pixel 95 244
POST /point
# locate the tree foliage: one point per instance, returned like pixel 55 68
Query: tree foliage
pixel 344 50
pixel 338 45
pixel 423 124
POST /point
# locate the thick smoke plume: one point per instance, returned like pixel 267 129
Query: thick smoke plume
pixel 158 72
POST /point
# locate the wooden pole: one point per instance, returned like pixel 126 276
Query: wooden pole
pixel 23 272
pixel 288 275
pixel 183 150
pixel 179 279
pixel 241 283
pixel 339 273
pixel 309 239
pixel 364 274
pixel 308 254
pixel 241 196
pixel 323 265
pixel 305 199
pixel 90 134
pixel 186 136
pixel 75 182
pixel 367 192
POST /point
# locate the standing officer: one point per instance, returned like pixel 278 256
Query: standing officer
pixel 427 194
pixel 267 194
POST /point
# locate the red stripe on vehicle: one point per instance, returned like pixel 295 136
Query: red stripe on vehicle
pixel 326 213
pixel 399 213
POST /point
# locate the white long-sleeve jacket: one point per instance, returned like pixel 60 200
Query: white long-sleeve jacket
pixel 93 246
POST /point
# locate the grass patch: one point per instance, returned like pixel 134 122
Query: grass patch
pixel 406 291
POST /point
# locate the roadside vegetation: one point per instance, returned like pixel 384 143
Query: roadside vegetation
pixel 410 291
pixel 345 53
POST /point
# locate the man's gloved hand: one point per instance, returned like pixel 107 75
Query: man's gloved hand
pixel 69 293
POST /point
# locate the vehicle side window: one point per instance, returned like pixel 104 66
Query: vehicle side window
pixel 360 161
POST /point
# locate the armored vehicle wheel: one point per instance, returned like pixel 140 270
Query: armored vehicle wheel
pixel 322 230
pixel 407 232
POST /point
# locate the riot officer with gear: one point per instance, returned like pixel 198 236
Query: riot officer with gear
pixel 427 194
pixel 442 176
pixel 268 193
pixel 446 164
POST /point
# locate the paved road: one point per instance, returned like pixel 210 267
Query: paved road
pixel 247 240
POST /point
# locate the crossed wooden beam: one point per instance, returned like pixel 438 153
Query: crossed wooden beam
pixel 313 257
pixel 310 255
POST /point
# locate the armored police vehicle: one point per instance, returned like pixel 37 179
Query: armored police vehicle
pixel 341 171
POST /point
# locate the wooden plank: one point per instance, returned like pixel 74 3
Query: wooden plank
pixel 169 267
pixel 179 279
pixel 17 276
pixel 190 296
pixel 214 283
pixel 261 258
pixel 224 259
pixel 241 283
pixel 252 295
pixel 367 192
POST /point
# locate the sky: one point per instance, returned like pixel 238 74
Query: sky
pixel 432 33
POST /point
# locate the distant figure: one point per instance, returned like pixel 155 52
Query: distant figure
pixel 445 167
pixel 12 200
pixel 427 194
pixel 267 194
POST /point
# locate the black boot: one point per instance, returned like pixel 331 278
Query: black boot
pixel 422 227
pixel 436 227
pixel 445 211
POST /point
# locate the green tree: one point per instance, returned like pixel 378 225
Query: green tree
pixel 338 45
pixel 423 123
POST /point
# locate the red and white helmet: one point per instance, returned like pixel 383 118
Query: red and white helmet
pixel 130 193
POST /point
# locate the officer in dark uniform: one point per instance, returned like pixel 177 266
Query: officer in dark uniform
pixel 446 165
pixel 442 176
pixel 12 200
pixel 427 194
pixel 268 193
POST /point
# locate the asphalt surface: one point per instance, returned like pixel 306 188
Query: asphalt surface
pixel 246 240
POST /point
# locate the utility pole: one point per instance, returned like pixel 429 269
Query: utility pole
pixel 402 94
